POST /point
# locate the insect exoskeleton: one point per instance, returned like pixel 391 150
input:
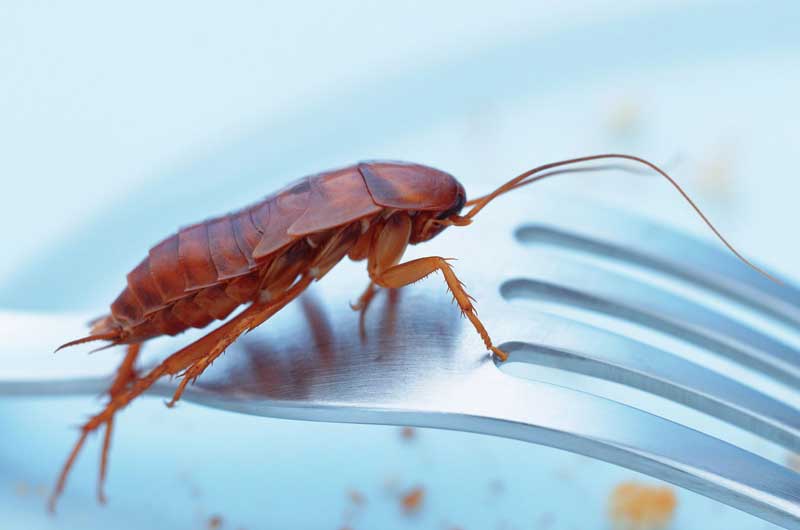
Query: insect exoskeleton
pixel 265 255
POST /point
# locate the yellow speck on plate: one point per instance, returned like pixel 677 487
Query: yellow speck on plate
pixel 637 506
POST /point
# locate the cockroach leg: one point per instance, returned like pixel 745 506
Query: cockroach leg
pixel 101 477
pixel 361 306
pixel 191 360
pixel 415 270
pixel 126 372
pixel 216 342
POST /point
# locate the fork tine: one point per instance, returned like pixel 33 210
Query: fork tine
pixel 593 426
pixel 580 348
pixel 604 291
pixel 627 237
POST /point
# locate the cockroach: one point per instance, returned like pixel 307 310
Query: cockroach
pixel 267 254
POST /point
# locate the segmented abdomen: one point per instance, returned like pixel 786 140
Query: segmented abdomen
pixel 200 274
pixel 206 270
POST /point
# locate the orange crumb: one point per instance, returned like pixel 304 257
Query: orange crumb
pixel 21 489
pixel 214 522
pixel 641 507
pixel 356 497
pixel 412 500
pixel 408 433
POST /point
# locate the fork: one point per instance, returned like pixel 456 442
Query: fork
pixel 419 364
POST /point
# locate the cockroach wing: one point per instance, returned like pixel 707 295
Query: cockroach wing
pixel 275 214
pixel 337 197
pixel 409 186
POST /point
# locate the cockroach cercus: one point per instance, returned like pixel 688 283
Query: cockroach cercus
pixel 267 254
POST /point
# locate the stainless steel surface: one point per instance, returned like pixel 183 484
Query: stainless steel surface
pixel 421 364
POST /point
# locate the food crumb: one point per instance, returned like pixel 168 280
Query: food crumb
pixel 21 489
pixel 408 433
pixel 214 522
pixel 356 497
pixel 637 506
pixel 716 173
pixel 625 118
pixel 412 500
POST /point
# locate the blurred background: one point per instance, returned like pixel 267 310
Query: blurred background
pixel 120 123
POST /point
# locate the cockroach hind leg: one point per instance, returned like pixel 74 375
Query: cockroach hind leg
pixel 101 478
pixel 216 342
pixel 95 422
pixel 188 359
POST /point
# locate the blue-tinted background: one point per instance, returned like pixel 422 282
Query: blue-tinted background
pixel 120 123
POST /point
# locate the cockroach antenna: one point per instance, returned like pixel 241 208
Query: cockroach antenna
pixel 541 173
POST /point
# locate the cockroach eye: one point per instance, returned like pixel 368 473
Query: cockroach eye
pixel 461 199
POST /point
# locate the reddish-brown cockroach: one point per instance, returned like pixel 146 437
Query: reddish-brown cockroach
pixel 267 254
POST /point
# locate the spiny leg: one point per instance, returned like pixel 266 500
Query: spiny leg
pixel 126 374
pixel 180 361
pixel 121 395
pixel 101 477
pixel 224 336
pixel 362 305
pixel 406 273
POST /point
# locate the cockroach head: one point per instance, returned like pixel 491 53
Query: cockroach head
pixel 429 224
pixel 458 204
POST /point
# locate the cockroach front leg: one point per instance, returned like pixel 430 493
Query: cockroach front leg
pixel 413 271
pixel 384 268
pixel 362 305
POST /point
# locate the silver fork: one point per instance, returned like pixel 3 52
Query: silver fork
pixel 420 364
